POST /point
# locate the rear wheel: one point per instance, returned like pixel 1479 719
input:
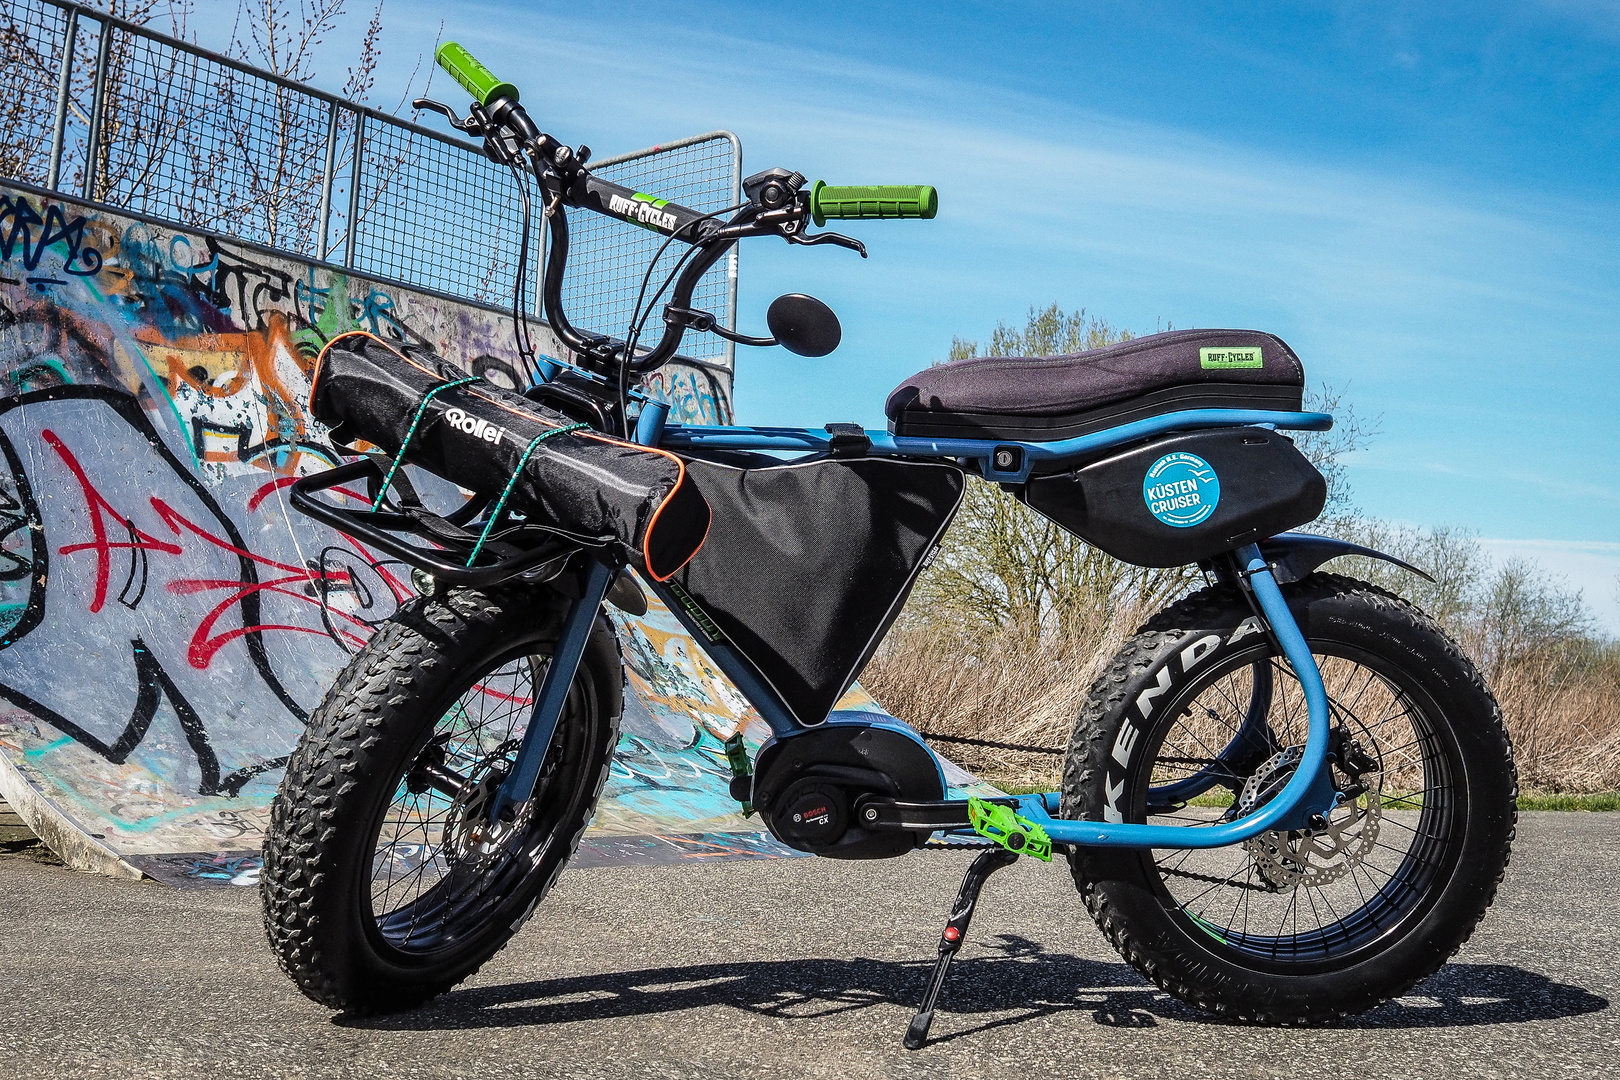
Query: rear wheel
pixel 383 885
pixel 1198 721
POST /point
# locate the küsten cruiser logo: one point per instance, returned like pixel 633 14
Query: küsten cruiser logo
pixel 472 425
pixel 644 210
pixel 1181 490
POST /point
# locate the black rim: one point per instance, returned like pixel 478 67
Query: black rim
pixel 1288 902
pixel 430 890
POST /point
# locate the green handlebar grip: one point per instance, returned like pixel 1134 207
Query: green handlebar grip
pixel 474 77
pixel 890 201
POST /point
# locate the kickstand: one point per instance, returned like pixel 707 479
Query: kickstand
pixel 956 928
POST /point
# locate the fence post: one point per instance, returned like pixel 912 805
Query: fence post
pixel 732 258
pixel 326 180
pixel 97 107
pixel 64 84
pixel 354 188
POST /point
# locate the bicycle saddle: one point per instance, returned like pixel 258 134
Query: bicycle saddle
pixel 1045 398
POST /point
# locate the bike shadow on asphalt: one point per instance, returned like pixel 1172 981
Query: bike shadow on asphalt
pixel 1016 982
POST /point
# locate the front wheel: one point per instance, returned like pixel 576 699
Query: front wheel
pixel 1199 721
pixel 382 884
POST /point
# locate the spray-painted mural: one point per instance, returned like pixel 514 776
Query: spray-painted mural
pixel 166 620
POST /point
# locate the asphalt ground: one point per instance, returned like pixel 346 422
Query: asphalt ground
pixel 797 968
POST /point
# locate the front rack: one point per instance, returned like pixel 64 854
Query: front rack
pixel 503 558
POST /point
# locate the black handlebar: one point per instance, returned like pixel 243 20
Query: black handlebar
pixel 510 137
pixel 778 203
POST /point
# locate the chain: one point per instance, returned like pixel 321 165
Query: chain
pixel 992 744
pixel 1211 879
pixel 956 845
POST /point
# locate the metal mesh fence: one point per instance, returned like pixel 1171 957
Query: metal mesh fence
pixel 31 41
pixel 192 138
pixel 608 267
pixel 431 213
pixel 159 126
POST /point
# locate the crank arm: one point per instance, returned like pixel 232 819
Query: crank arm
pixel 891 815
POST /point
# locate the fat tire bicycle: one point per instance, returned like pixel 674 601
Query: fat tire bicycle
pixel 1288 798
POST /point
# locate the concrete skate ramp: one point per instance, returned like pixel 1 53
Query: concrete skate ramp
pixel 167 622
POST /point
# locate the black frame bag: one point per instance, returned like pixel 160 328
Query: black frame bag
pixel 809 562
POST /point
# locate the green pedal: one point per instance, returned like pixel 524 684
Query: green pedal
pixel 737 758
pixel 1018 835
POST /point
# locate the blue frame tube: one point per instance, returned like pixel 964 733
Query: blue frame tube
pixel 1308 792
pixel 548 706
pixel 650 425
pixel 886 444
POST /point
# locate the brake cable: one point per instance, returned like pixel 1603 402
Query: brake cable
pixel 520 324
pixel 639 317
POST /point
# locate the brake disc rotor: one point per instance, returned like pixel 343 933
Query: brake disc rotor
pixel 468 833
pixel 1309 857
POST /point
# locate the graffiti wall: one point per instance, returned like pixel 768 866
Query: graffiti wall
pixel 167 622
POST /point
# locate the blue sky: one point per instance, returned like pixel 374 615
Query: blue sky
pixel 1420 198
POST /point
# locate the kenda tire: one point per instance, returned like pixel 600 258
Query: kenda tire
pixel 1160 671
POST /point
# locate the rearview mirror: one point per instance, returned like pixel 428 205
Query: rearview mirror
pixel 804 325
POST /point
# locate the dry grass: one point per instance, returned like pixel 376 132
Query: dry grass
pixel 1562 705
pixel 1010 685
pixel 1565 721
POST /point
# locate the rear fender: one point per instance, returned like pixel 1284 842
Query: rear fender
pixel 1293 556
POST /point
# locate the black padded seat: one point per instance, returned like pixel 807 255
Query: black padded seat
pixel 1044 398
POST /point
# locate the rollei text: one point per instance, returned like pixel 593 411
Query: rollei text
pixel 472 425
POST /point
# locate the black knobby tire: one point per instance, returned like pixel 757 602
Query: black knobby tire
pixel 1196 713
pixel 444 682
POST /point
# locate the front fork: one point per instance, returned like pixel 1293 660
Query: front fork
pixel 1304 801
pixel 518 787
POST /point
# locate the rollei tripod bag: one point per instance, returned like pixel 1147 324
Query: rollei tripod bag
pixel 578 483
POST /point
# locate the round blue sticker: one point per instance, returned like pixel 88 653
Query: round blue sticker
pixel 1181 490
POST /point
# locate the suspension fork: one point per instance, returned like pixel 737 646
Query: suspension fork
pixel 518 787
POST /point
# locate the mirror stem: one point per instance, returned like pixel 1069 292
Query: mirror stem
pixel 705 323
pixel 741 339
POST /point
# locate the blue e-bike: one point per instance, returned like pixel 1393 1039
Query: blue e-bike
pixel 1288 798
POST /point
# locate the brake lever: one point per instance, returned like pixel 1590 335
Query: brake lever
pixel 422 104
pixel 838 239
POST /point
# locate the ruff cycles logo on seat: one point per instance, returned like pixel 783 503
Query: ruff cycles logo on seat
pixel 643 210
pixel 472 425
pixel 1181 490
pixel 1247 356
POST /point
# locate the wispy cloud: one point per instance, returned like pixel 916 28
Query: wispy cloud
pixel 1469 312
